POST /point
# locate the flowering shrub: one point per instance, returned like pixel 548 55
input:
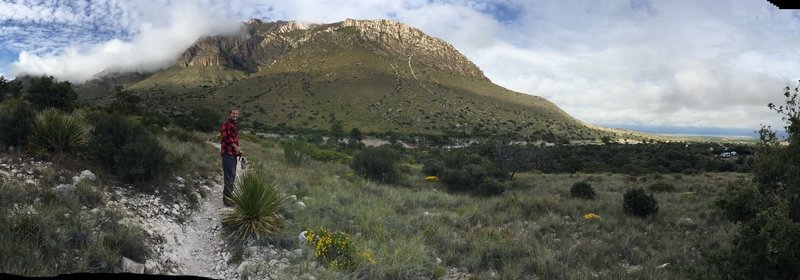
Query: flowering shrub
pixel 432 179
pixel 334 249
pixel 591 216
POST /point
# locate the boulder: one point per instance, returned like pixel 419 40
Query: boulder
pixel 130 266
pixel 686 223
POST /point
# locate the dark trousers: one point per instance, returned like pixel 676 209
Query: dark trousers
pixel 229 173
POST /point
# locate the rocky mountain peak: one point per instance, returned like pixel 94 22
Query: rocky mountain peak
pixel 262 43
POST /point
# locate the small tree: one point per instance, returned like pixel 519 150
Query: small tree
pixel 46 91
pixel 767 245
pixel 376 163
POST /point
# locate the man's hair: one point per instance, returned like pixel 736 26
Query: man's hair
pixel 232 109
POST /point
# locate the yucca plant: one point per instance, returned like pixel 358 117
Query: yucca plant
pixel 256 201
pixel 57 133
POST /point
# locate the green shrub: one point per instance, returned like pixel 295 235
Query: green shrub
pixel 141 159
pixel 328 155
pixel 127 150
pixel 433 168
pixel 295 152
pixel 464 179
pixel 57 133
pixel 638 203
pixel 110 134
pixel 376 163
pixel 46 92
pixel 489 188
pixel 661 187
pixel 256 203
pixel 582 190
pixel 16 119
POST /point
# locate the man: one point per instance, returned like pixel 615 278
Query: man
pixel 229 146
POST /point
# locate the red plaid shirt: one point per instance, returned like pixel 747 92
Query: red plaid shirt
pixel 229 134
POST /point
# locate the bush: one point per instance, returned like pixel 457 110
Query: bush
pixel 16 119
pixel 465 178
pixel 295 152
pixel 46 92
pixel 328 155
pixel 127 150
pixel 141 159
pixel 110 133
pixel 489 188
pixel 661 187
pixel 57 133
pixel 582 190
pixel 433 168
pixel 376 163
pixel 638 203
pixel 768 213
pixel 256 203
pixel 333 249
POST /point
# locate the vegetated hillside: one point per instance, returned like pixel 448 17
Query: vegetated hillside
pixel 376 75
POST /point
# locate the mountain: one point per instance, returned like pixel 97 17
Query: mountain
pixel 375 75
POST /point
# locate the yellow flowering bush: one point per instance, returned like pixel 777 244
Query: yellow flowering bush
pixel 591 216
pixel 334 249
pixel 432 179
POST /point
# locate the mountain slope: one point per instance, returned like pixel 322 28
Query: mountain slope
pixel 376 75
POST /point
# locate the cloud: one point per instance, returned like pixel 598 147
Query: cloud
pixel 153 43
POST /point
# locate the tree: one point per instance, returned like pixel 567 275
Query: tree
pixel 3 88
pixel 45 92
pixel 767 245
pixel 125 103
pixel 336 131
pixel 513 158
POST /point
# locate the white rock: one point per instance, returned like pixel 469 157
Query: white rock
pixel 301 205
pixel 131 266
pixel 662 266
pixel 88 175
pixel 292 197
pixel 302 237
pixel 180 179
pixel 242 267
pixel 273 262
pixel 150 267
pixel 30 182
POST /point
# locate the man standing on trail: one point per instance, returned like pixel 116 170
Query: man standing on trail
pixel 229 146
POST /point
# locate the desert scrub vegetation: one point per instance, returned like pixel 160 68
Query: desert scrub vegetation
pixel 48 231
pixel 582 190
pixel 532 230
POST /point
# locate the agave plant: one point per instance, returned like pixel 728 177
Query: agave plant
pixel 57 133
pixel 255 203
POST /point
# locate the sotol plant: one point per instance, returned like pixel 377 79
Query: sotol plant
pixel 57 133
pixel 256 202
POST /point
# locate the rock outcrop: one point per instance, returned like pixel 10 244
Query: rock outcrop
pixel 260 44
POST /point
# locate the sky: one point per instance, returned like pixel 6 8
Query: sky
pixel 712 64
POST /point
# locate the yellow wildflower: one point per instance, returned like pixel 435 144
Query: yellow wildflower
pixel 591 216
pixel 432 179
pixel 689 193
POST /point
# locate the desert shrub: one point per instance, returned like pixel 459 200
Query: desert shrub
pixel 582 190
pixel 328 155
pixel 376 163
pixel 768 213
pixel 57 133
pixel 637 202
pixel 464 179
pixel 295 151
pixel 333 249
pixel 200 119
pixel 661 187
pixel 433 168
pixel 110 133
pixel 127 150
pixel 46 92
pixel 141 159
pixel 256 203
pixel 489 187
pixel 16 119
pixel 182 135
